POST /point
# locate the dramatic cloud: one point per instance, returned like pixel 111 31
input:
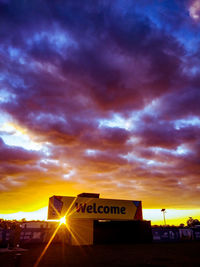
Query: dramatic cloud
pixel 195 10
pixel 99 96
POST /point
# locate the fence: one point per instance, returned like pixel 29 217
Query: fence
pixel 42 235
pixel 29 236
pixel 175 234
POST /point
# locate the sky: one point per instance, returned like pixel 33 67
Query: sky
pixel 101 97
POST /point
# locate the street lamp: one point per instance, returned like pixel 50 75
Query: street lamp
pixel 164 211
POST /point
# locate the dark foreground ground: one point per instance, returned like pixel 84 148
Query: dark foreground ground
pixel 58 255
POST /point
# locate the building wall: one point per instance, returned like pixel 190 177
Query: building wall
pixel 81 231
pixel 122 232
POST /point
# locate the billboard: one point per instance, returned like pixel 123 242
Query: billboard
pixel 94 208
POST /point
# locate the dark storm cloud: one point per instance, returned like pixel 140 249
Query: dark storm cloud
pixel 101 34
pixel 182 103
pixel 155 132
pixel 119 61
pixel 16 166
pixel 106 138
pixel 68 66
pixel 20 168
pixel 16 155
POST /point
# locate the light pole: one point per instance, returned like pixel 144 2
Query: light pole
pixel 164 211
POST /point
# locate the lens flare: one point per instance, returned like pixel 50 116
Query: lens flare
pixel 63 220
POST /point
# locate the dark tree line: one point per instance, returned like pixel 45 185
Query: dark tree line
pixel 192 222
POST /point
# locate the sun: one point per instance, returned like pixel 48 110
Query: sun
pixel 63 220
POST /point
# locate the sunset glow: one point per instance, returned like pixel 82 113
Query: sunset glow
pixel 173 216
pixel 100 97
